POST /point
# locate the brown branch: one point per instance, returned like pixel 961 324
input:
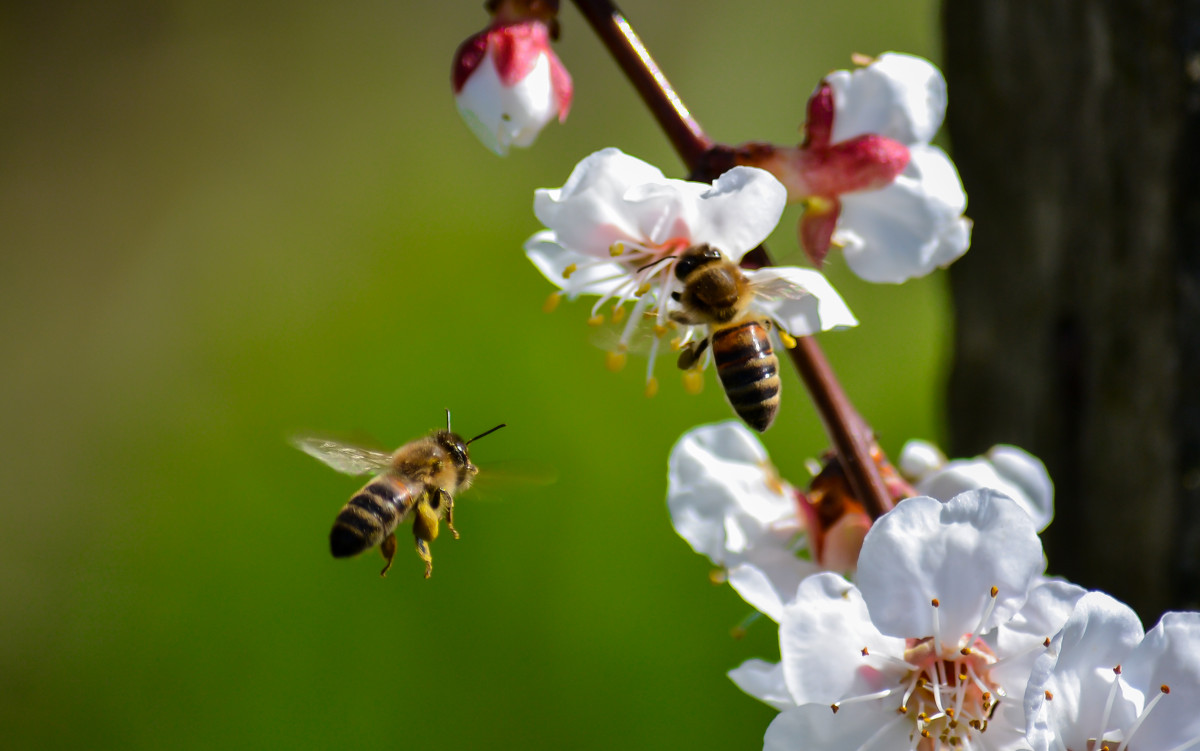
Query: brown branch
pixel 852 438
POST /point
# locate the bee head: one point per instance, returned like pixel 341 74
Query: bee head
pixel 455 446
pixel 695 257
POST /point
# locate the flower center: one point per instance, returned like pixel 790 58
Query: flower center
pixel 949 694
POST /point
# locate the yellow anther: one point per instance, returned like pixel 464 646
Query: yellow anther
pixel 596 320
pixel 659 329
pixel 693 381
pixel 718 576
pixel 552 302
pixel 616 249
pixel 788 340
pixel 618 314
pixel 614 361
pixel 817 204
pixel 642 289
pixel 860 59
pixel 651 387
pixel 570 269
pixel 677 343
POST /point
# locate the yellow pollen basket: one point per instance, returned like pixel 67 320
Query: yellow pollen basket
pixel 788 340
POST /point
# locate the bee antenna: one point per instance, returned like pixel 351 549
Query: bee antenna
pixel 493 430
pixel 447 419
pixel 653 263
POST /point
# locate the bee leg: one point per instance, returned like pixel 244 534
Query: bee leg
pixel 425 529
pixel 423 551
pixel 690 354
pixel 388 548
pixel 449 501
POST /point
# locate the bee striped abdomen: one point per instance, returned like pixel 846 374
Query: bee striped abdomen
pixel 749 372
pixel 370 516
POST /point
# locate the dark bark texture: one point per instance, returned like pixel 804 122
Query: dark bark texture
pixel 1074 126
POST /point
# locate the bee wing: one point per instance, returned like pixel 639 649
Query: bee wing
pixel 497 478
pixel 608 337
pixel 344 457
pixel 778 288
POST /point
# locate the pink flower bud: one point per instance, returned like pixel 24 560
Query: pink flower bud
pixel 508 83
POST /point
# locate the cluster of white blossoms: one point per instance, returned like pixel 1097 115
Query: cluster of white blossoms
pixel 934 627
pixel 616 229
pixel 946 633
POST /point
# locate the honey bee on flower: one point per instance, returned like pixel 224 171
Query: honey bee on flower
pixel 618 230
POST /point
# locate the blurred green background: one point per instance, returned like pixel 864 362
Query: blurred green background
pixel 225 222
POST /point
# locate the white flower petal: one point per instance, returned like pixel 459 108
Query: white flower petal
pixel 818 307
pixel 1022 638
pixel 1028 481
pixel 591 278
pixel 814 727
pixel 734 214
pixel 1077 670
pixel 954 552
pixel 503 116
pixel 666 210
pixel 764 681
pixel 1015 473
pixel 1169 656
pixel 589 213
pixel 719 494
pixel 768 576
pixel 1047 608
pixel 741 209
pixel 821 638
pixel 919 459
pixel 899 96
pixel 909 228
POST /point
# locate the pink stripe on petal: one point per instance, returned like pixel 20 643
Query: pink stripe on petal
pixel 560 82
pixel 467 58
pixel 819 123
pixel 516 48
pixel 816 228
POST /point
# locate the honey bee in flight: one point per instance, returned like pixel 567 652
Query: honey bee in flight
pixel 717 294
pixel 419 479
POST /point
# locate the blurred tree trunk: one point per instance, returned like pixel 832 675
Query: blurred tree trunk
pixel 1074 125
